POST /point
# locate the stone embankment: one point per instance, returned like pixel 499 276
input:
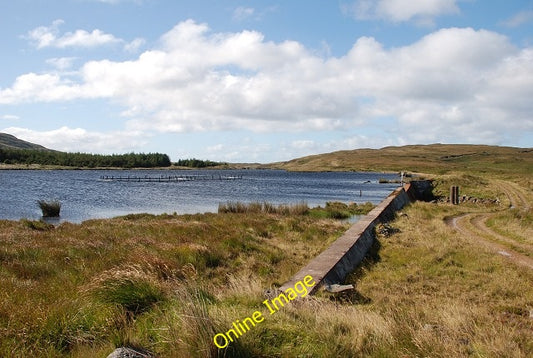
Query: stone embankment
pixel 333 265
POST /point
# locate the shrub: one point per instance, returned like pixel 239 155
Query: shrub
pixel 49 208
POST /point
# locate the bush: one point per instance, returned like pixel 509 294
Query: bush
pixel 50 209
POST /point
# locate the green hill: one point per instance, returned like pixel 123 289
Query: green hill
pixel 433 158
pixel 11 142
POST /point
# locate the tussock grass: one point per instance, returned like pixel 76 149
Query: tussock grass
pixel 49 208
pixel 169 283
pixel 265 207
pixel 445 293
pixel 332 210
pixel 164 283
pixel 37 225
pixel 338 210
pixel 131 288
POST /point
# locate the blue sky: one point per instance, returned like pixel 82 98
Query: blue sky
pixel 264 81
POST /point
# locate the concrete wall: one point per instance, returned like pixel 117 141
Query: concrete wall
pixel 346 253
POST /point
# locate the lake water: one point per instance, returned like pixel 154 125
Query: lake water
pixel 85 196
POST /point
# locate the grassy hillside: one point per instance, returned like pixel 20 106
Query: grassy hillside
pixel 11 142
pixel 434 158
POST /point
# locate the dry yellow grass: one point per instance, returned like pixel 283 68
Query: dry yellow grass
pixel 434 158
pixel 446 294
pixel 140 280
pixel 427 291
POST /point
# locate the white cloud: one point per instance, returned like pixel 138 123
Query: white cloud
pixel 134 45
pixel 519 19
pixel 44 36
pixel 49 36
pixel 422 11
pixel 82 38
pixel 217 148
pixel 455 84
pixel 80 140
pixel 240 151
pixel 9 117
pixel 242 13
pixel 32 87
pixel 61 63
pixel 303 144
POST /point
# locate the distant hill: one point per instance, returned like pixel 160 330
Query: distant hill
pixel 433 158
pixel 12 142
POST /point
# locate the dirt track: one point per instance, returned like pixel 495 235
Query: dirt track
pixel 474 225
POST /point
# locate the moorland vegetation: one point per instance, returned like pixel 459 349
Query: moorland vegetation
pixel 169 283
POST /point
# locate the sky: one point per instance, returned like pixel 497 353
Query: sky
pixel 265 81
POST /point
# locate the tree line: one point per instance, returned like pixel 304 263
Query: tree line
pixel 196 163
pixel 130 160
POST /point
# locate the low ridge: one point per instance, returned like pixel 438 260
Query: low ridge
pixel 432 158
pixel 11 142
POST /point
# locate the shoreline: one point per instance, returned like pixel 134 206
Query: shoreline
pixel 319 212
pixel 59 167
pixel 237 166
pixel 6 167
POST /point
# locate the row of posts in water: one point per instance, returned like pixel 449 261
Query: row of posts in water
pixel 167 178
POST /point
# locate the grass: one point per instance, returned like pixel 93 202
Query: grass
pixel 338 210
pixel 332 210
pixel 78 290
pixel 134 289
pixel 444 295
pixel 435 159
pixel 49 209
pixel 263 207
pixel 169 283
pixel 515 223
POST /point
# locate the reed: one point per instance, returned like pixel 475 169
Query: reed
pixel 50 209
pixel 255 207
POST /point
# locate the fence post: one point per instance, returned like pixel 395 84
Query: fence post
pixel 454 194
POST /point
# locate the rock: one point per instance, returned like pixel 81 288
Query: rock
pixel 338 288
pixel 124 352
pixel 272 292
pixel 387 230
